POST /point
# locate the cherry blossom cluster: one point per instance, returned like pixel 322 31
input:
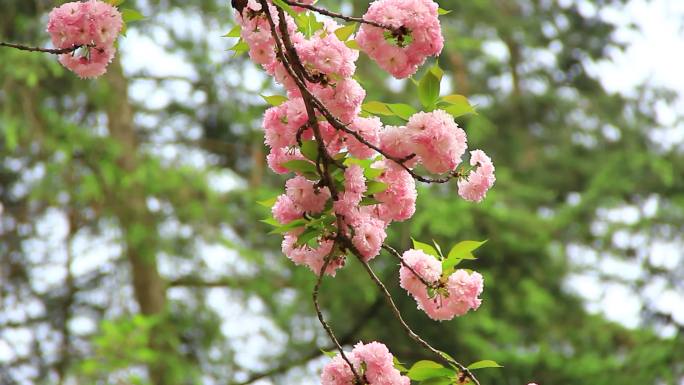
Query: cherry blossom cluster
pixel 415 35
pixel 94 26
pixel 431 139
pixel 447 296
pixel 373 362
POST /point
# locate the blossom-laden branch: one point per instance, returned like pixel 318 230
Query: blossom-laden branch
pixel 53 51
pixel 347 235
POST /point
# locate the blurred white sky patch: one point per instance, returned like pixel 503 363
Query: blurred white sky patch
pixel 655 55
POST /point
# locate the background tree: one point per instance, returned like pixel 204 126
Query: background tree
pixel 130 242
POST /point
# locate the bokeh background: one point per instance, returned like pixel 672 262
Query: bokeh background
pixel 130 247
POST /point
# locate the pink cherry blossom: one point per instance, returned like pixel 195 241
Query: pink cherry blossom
pixel 313 258
pixel 278 156
pixel 94 25
pixel 426 266
pixel 437 139
pixel 305 196
pixel 373 361
pixel 399 199
pixel 369 129
pixel 417 34
pixel 284 210
pixel 475 186
pixel 369 234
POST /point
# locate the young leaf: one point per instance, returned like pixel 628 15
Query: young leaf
pixel 289 226
pixel 427 249
pixel 438 381
pixel 268 203
pixel 428 90
pixel 352 44
pixel 367 201
pixel 275 100
pixel 329 354
pixel 128 15
pixel 398 365
pixel 401 110
pixel 457 105
pixel 463 250
pixel 442 11
pixel 298 165
pixel 235 32
pixel 310 150
pixel 270 221
pixel 374 187
pixel 343 33
pixel 286 7
pixel 484 364
pixel 377 108
pixel 240 48
pixel 423 370
pixel 308 235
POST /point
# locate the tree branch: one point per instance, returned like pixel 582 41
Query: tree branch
pixel 54 51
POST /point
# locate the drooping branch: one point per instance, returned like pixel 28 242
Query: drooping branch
pixel 53 51
pixel 289 58
pixel 397 314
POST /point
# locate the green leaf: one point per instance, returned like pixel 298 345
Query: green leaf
pixel 343 33
pixel 286 7
pixel 330 354
pixel 377 108
pixel 352 44
pixel 462 250
pixel 368 201
pixel 308 24
pixel 307 235
pixel 240 47
pixel 372 173
pixel 423 370
pixel 402 110
pixel 398 365
pixel 428 90
pixel 310 150
pixel 268 203
pixel 437 71
pixel 235 32
pixel 484 364
pixel 456 105
pixel 427 249
pixel 438 381
pixel 115 3
pixel 270 221
pixel 130 15
pixel 289 226
pixel 299 165
pixel 439 248
pixel 275 100
pixel 442 11
pixel 374 187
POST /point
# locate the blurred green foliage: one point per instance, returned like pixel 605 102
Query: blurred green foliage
pixel 137 164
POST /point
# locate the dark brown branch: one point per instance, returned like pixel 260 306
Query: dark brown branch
pixel 340 16
pixel 323 153
pixel 54 51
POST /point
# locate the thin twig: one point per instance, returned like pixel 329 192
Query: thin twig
pixel 396 254
pixel 322 153
pixel 336 15
pixel 54 51
pixel 407 328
